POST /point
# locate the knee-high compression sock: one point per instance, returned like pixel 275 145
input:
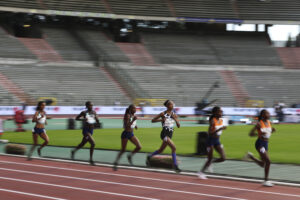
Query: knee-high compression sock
pixel 154 153
pixel 174 158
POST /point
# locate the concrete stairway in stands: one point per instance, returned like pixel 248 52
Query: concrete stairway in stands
pixel 236 87
pixel 290 57
pixel 11 87
pixel 137 53
pixel 42 49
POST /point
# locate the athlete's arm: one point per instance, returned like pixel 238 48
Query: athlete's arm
pixel 46 122
pixel 157 118
pixel 211 127
pixel 175 117
pixel 34 118
pixel 253 130
pixel 127 121
pixel 133 119
pixel 96 117
pixel 273 129
pixel 79 116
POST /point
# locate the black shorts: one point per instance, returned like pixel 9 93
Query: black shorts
pixel 259 144
pixel 166 132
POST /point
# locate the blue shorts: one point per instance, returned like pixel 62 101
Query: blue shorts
pixel 166 132
pixel 127 135
pixel 261 143
pixel 87 130
pixel 213 141
pixel 38 130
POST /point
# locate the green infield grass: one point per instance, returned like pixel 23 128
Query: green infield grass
pixel 283 147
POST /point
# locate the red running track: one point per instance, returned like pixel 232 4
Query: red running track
pixel 41 179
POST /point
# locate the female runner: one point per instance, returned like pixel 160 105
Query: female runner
pixel 264 130
pixel 89 119
pixel 167 118
pixel 129 123
pixel 213 141
pixel 39 130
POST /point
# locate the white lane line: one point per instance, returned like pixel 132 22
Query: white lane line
pixel 30 194
pixel 155 179
pixel 165 171
pixel 76 188
pixel 122 184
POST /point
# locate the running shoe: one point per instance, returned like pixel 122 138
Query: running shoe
pixel 210 168
pixel 39 152
pixel 176 168
pixel 148 161
pixel 115 167
pixel 92 163
pixel 72 154
pixel 268 184
pixel 129 157
pixel 201 175
pixel 248 156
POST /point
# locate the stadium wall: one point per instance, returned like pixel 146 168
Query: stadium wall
pixel 119 110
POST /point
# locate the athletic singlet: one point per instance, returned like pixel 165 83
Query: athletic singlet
pixel 90 117
pixel 40 119
pixel 130 120
pixel 265 131
pixel 218 125
pixel 169 122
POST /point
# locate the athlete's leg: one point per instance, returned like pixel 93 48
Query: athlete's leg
pixel 160 150
pixel 80 145
pixel 210 151
pixel 221 151
pixel 92 143
pixel 35 142
pixel 260 163
pixel 123 148
pixel 173 148
pixel 137 144
pixel 45 137
pixel 171 144
pixel 266 159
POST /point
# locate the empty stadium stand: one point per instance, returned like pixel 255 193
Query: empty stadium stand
pixel 65 44
pixel 268 10
pixel 270 86
pixel 221 9
pixel 137 53
pixel 8 99
pixel 290 57
pixel 234 84
pixel 75 5
pixel 103 43
pixel 204 9
pixel 143 8
pixel 21 4
pixel 70 85
pixel 229 48
pixel 11 47
pixel 42 49
pixel 14 89
pixel 179 48
pixel 185 87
